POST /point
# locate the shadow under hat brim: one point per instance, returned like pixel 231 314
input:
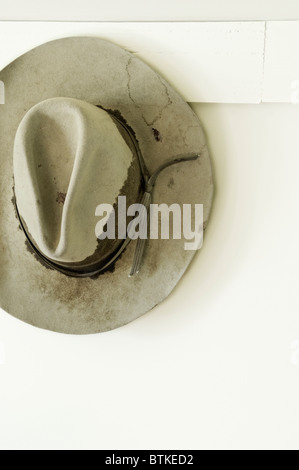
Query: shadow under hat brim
pixel 105 75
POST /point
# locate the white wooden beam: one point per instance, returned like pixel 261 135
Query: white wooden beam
pixel 218 62
pixel 154 10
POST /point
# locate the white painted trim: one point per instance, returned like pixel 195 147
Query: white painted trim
pixel 218 62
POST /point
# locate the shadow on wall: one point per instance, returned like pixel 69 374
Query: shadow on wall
pixel 229 236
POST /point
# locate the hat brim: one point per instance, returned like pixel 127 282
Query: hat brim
pixel 101 73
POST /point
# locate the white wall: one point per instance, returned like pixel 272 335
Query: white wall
pixel 211 62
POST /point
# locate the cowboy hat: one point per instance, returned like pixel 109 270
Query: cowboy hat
pixel 85 121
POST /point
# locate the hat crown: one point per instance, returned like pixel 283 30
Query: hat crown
pixel 69 157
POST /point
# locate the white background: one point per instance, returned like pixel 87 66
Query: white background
pixel 216 366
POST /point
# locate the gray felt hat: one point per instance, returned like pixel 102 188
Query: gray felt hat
pixel 84 122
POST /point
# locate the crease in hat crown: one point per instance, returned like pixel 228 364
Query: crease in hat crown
pixel 69 157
